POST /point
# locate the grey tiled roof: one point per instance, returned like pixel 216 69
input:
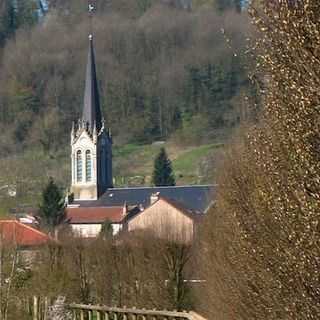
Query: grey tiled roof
pixel 195 198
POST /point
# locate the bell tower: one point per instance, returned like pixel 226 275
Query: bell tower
pixel 91 142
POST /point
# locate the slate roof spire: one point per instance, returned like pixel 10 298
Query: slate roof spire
pixel 91 114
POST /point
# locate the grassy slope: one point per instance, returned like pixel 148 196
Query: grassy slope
pixel 192 166
pixel 133 165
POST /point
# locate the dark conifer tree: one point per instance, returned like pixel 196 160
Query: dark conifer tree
pixel 162 172
pixel 52 208
pixel 16 14
pixel 106 230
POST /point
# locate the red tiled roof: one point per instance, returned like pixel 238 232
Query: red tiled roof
pixel 16 233
pixel 94 214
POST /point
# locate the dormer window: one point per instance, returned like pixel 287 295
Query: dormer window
pixel 79 166
pixel 88 166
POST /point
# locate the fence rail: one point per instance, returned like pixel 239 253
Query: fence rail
pixel 88 312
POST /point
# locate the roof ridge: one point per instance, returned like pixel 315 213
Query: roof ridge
pixel 100 207
pixel 185 211
pixel 165 187
pixel 26 227
pixel 177 205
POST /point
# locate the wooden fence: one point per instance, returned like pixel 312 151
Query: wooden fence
pixel 88 312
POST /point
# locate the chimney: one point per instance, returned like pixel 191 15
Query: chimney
pixel 154 197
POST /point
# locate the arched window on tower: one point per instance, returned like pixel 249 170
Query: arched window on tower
pixel 88 166
pixel 103 164
pixel 79 166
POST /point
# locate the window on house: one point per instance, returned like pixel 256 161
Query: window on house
pixel 88 166
pixel 79 166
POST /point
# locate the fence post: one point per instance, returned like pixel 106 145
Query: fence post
pixel 196 316
pixel 35 308
pixel 46 306
pixel 98 315
pixel 81 314
pixel 106 316
pixel 74 314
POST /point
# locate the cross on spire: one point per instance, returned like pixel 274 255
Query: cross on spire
pixel 91 9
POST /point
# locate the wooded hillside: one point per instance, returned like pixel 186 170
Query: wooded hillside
pixel 166 72
pixel 162 70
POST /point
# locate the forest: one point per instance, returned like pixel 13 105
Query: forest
pixel 258 247
pixel 162 70
pixel 167 71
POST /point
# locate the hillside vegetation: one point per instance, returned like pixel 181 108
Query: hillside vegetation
pixel 165 73
pixel 261 240
pixel 161 70
pixel 133 165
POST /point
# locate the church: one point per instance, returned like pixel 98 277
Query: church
pixel 96 199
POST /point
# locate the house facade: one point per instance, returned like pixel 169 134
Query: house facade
pixel 88 222
pixel 166 219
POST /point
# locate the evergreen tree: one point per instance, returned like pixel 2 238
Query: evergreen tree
pixel 238 5
pixel 16 14
pixel 26 13
pixel 7 20
pixel 106 230
pixel 162 172
pixel 52 208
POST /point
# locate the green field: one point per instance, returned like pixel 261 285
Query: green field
pixel 188 161
pixel 132 166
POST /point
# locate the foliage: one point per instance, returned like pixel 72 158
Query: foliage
pixel 14 15
pixel 106 230
pixel 52 208
pixel 132 164
pixel 198 165
pixel 261 242
pixel 162 172
pixel 133 270
pixel 14 276
pixel 152 81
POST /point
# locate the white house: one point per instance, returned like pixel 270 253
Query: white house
pixel 87 222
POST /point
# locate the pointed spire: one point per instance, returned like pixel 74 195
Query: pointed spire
pixel 91 108
pixel 72 132
pixel 94 133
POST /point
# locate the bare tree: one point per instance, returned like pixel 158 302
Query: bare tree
pixel 261 243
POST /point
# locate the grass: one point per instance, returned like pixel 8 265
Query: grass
pixel 132 165
pixel 125 151
pixel 187 161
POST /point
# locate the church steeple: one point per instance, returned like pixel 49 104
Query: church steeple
pixel 91 114
pixel 91 143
